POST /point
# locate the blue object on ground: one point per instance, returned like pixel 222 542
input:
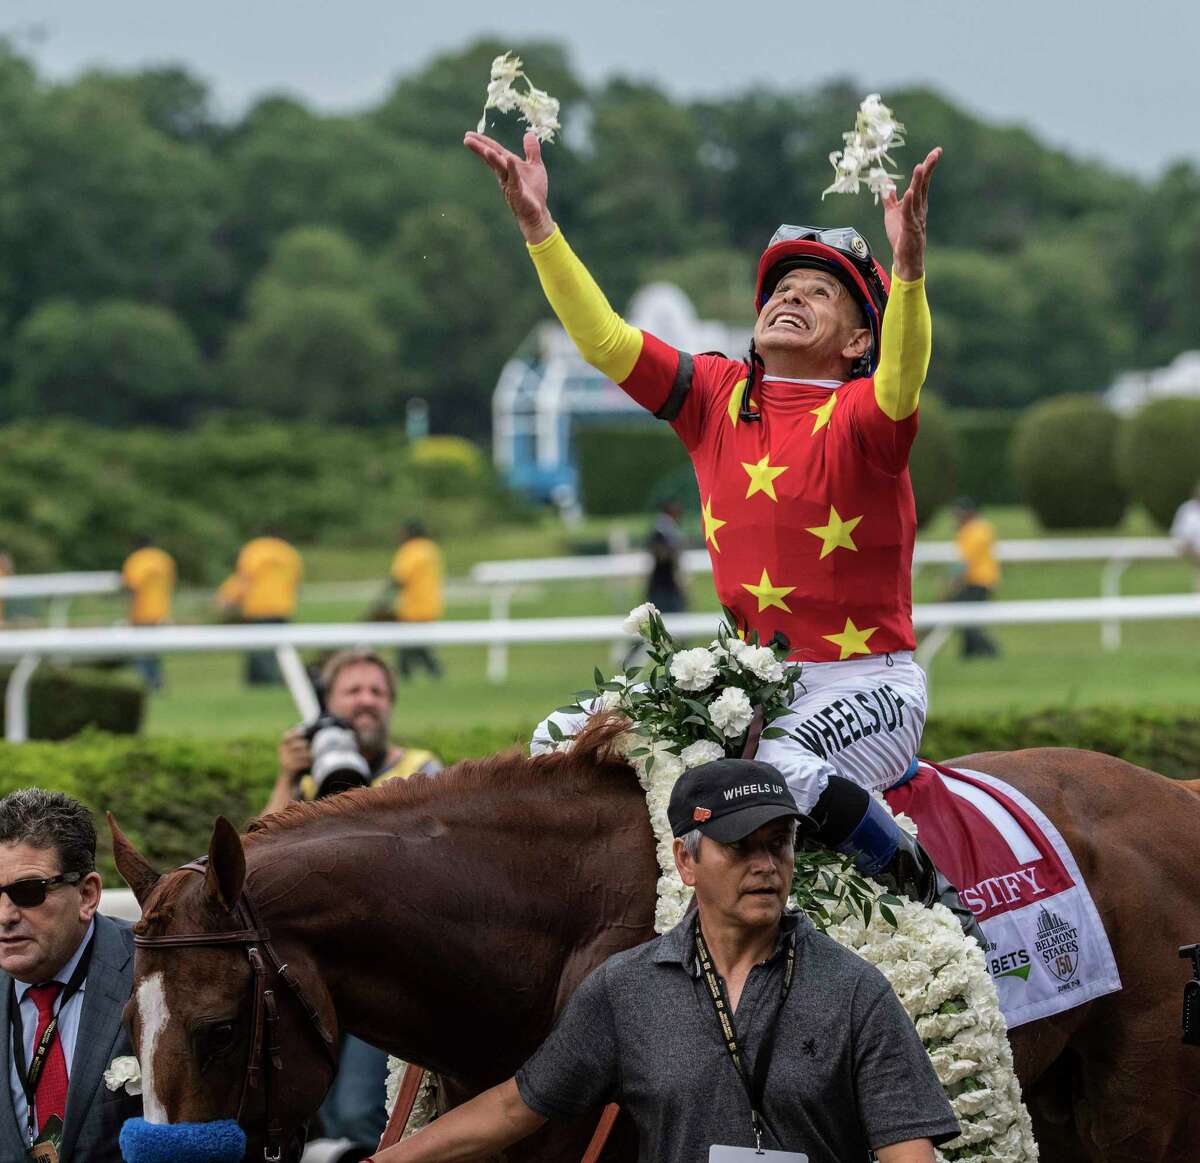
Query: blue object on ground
pixel 218 1142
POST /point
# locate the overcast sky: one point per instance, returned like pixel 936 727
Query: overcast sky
pixel 1111 79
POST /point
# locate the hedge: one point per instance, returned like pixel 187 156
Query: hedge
pixel 933 461
pixel 984 465
pixel 1064 458
pixel 1158 454
pixel 621 466
pixel 166 792
pixel 64 702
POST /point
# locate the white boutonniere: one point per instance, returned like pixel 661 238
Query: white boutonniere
pixel 124 1071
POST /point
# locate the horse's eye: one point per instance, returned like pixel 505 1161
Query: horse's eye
pixel 212 1040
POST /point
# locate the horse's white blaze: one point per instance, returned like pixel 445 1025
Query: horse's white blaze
pixel 152 1009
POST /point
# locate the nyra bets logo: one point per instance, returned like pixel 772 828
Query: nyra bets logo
pixel 1057 945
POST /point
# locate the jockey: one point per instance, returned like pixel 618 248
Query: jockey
pixel 801 455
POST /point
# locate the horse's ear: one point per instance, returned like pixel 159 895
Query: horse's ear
pixel 226 872
pixel 134 868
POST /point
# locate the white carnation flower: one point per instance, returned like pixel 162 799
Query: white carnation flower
pixel 124 1071
pixel 731 712
pixel 637 621
pixel 693 670
pixel 761 662
pixel 540 110
pixel 865 151
pixel 704 751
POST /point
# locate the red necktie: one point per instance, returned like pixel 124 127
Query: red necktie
pixel 50 1098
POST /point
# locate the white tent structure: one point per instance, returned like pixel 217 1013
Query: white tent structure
pixel 1130 390
pixel 545 390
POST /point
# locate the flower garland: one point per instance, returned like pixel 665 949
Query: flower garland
pixel 424 1109
pixel 536 106
pixel 862 159
pixel 691 706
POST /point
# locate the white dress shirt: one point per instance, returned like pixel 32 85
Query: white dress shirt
pixel 68 1026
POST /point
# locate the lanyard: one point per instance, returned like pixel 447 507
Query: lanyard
pixel 30 1077
pixel 756 1087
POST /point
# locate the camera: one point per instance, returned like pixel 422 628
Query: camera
pixel 337 763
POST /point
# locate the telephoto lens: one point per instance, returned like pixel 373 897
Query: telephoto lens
pixel 337 763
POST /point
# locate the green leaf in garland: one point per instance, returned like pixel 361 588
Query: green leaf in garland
pixel 554 730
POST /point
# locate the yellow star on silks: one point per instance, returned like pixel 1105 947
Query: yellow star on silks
pixel 762 478
pixel 735 403
pixel 851 640
pixel 835 535
pixel 711 524
pixel 769 595
pixel 823 413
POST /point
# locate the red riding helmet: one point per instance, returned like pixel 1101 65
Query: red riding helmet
pixel 844 253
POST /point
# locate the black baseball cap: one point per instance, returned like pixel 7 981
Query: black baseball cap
pixel 729 798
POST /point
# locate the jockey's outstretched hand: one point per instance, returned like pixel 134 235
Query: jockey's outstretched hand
pixel 904 220
pixel 524 182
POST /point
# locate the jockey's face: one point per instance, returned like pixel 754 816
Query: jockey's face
pixel 360 695
pixel 744 884
pixel 810 326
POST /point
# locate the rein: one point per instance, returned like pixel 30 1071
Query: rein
pixel 265 1059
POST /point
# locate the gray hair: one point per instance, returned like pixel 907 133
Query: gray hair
pixel 50 820
pixel 691 840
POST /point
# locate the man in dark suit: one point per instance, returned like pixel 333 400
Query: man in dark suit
pixel 65 974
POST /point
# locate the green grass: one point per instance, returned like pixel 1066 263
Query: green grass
pixel 1044 666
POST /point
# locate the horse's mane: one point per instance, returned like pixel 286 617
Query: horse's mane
pixel 593 757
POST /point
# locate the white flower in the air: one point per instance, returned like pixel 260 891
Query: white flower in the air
pixel 538 108
pixel 541 111
pixel 637 621
pixel 862 157
pixel 761 662
pixel 731 712
pixel 507 67
pixel 705 751
pixel 693 670
pixel 124 1071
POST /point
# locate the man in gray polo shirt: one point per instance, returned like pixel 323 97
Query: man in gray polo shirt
pixel 742 1024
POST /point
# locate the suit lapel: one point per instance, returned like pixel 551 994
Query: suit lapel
pixel 109 980
pixel 12 1142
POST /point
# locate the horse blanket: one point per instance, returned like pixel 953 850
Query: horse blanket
pixel 1046 945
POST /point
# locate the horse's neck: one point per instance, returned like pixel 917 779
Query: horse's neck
pixel 438 926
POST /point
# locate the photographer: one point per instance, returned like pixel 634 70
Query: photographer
pixel 348 746
pixel 360 691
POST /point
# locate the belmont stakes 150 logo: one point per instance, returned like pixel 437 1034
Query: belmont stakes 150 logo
pixel 1058 944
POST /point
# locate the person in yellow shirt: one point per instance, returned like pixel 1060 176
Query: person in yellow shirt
pixel 263 588
pixel 978 574
pixel 149 576
pixel 416 578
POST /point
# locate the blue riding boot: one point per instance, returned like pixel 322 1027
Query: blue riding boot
pixel 850 821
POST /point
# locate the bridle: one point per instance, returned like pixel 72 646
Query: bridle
pixel 266 1057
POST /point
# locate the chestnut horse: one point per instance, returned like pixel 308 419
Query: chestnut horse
pixel 448 919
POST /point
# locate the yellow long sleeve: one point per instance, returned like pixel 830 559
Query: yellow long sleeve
pixel 907 344
pixel 604 339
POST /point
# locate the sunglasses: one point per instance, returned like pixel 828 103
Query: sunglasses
pixel 28 894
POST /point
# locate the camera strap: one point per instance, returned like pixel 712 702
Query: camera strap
pixel 31 1075
pixel 755 1086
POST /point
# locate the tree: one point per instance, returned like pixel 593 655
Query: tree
pixel 319 353
pixel 462 304
pixel 112 363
